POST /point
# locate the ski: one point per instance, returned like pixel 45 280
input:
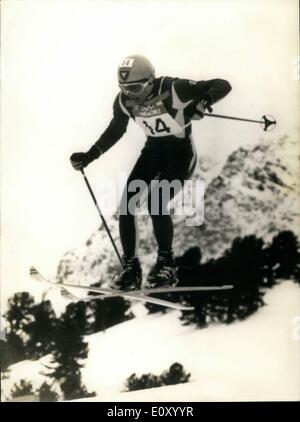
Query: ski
pixel 104 293
pixel 147 292
pixel 183 289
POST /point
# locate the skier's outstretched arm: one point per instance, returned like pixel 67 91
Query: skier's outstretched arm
pixel 203 93
pixel 215 89
pixel 109 137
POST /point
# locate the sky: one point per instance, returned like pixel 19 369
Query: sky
pixel 59 78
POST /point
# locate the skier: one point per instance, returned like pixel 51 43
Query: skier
pixel 164 108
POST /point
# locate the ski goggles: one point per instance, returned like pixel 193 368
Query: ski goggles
pixel 134 88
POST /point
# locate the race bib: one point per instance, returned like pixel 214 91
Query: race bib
pixel 156 122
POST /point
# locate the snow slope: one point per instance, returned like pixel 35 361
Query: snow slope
pixel 251 360
pixel 256 359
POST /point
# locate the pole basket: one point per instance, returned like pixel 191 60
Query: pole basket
pixel 268 122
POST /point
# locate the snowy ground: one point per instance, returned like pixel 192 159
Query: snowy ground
pixel 256 359
pixel 252 360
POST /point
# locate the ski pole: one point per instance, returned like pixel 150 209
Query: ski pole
pixel 266 122
pixel 101 216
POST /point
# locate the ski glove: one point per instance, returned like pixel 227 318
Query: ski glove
pixel 200 108
pixel 79 160
pixel 206 102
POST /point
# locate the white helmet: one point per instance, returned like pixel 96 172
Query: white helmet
pixel 136 75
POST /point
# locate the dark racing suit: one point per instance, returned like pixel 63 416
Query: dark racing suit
pixel 165 116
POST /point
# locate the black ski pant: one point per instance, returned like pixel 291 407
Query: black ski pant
pixel 161 159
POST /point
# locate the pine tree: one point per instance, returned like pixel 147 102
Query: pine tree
pixel 23 388
pixel 175 375
pixel 4 356
pixel 245 262
pixel 191 258
pixel 284 255
pixel 18 316
pixel 41 330
pixel 243 265
pixel 109 312
pixel 14 349
pixel 69 354
pixel 134 383
pixel 46 394
pixel 20 311
pixel 78 315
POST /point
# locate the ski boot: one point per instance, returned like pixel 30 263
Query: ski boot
pixel 131 275
pixel 164 272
